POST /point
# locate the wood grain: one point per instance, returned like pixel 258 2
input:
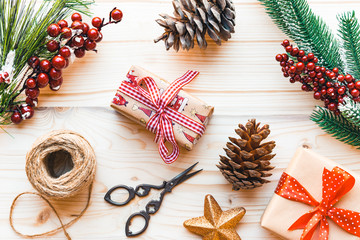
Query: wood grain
pixel 240 78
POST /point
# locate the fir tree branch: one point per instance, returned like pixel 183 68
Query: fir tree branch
pixel 309 31
pixel 349 31
pixel 337 126
pixel 351 111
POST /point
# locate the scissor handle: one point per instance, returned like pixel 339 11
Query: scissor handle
pixel 130 190
pixel 142 214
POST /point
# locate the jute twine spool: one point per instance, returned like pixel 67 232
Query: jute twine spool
pixel 59 165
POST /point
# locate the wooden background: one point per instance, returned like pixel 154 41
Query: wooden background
pixel 240 78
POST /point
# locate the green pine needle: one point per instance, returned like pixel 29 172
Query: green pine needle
pixel 337 126
pixel 349 31
pixel 309 31
pixel 351 111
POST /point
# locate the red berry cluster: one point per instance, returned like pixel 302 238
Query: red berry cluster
pixel 328 85
pixel 78 38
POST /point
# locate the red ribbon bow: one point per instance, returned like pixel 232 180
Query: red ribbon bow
pixel 336 184
pixel 161 122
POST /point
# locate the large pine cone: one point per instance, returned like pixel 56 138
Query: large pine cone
pixel 193 18
pixel 248 160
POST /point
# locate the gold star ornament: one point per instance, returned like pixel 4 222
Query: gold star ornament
pixel 216 224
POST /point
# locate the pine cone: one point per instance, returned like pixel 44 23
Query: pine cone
pixel 193 18
pixel 248 160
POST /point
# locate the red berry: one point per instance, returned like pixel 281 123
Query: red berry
pixel 101 37
pixel 348 78
pixel 341 90
pixel 53 30
pixel 58 62
pixel 355 93
pixel 310 56
pixel 45 65
pixel 42 80
pixel 90 45
pixel 52 46
pixel 96 22
pixel 323 92
pixel 341 78
pixel 310 66
pixel 55 74
pixel 332 75
pixel 300 66
pixel 78 41
pixel 351 85
pixel 56 84
pixel 301 53
pixel 27 112
pixel 304 87
pixel 315 60
pixel 66 33
pixel 288 49
pixel 279 58
pixel 80 52
pixel 335 70
pixel 77 25
pixel 329 84
pixel 34 62
pixel 323 69
pixel 16 117
pixel 312 74
pixel 332 106
pixel 65 52
pixel 317 95
pixel 322 81
pixel 357 85
pixel 93 34
pixel 317 69
pixel 286 43
pixel 292 69
pixel 319 75
pixel 31 102
pixel 86 27
pixel 62 23
pixel 330 91
pixel 295 52
pixel 76 17
pixel 31 83
pixel 284 55
pixel 117 15
pixel 304 59
pixel 32 92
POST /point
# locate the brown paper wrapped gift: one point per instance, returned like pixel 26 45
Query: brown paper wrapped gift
pixel 185 103
pixel 307 168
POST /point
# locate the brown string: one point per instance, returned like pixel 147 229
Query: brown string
pixel 67 184
pixel 62 227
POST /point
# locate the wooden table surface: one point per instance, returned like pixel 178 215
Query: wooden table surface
pixel 240 78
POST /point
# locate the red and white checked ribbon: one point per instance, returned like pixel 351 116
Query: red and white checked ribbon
pixel 161 122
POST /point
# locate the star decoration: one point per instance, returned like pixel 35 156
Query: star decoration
pixel 216 224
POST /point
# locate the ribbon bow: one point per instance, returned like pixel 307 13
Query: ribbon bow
pixel 161 122
pixel 335 184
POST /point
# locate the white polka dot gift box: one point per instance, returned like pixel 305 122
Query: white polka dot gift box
pixel 317 202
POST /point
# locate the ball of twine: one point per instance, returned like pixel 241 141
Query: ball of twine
pixel 64 143
pixel 59 165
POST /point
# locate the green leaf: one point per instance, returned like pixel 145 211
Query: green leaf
pixel 337 126
pixel 349 31
pixel 309 31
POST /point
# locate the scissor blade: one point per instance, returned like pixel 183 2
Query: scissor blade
pixel 186 177
pixel 181 175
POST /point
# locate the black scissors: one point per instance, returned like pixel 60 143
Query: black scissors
pixel 143 190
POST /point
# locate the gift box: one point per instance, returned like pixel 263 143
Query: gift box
pixel 142 97
pixel 314 189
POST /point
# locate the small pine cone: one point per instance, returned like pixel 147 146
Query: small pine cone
pixel 248 159
pixel 193 19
